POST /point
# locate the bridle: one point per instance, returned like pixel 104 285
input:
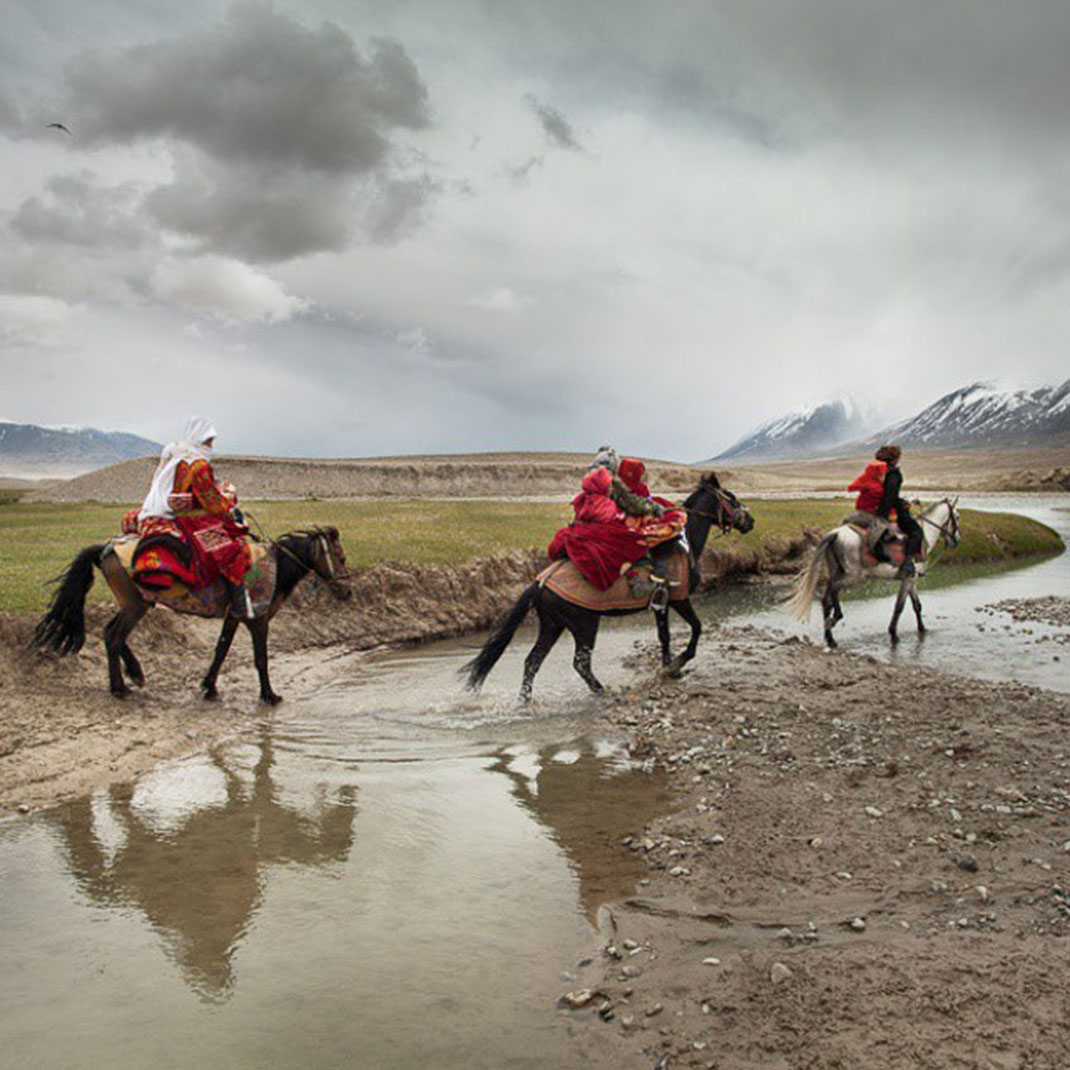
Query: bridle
pixel 949 530
pixel 726 514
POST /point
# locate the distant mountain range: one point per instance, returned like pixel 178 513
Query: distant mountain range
pixel 805 432
pixel 32 452
pixel 973 416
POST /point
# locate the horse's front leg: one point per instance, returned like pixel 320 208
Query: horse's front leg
pixel 258 628
pixel 831 613
pixel 687 611
pixel 900 602
pixel 222 648
pixel 915 601
pixel 661 619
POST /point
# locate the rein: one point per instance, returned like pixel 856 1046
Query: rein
pixel 278 547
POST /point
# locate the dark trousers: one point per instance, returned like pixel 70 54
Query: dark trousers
pixel 911 529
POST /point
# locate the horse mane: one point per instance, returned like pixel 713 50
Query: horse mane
pixel 707 481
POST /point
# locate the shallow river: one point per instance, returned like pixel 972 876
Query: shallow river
pixel 387 873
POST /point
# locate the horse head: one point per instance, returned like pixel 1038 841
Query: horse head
pixel 327 559
pixel 711 501
pixel 944 516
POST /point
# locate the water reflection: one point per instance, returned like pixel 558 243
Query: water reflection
pixel 200 883
pixel 589 799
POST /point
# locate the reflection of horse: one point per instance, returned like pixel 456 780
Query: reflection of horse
pixel 588 805
pixel 707 505
pixel 62 629
pixel 840 561
pixel 199 885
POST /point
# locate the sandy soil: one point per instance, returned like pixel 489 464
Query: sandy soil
pixel 868 867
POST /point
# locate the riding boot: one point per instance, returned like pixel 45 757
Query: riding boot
pixel 659 600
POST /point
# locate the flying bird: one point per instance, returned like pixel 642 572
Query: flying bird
pixel 58 126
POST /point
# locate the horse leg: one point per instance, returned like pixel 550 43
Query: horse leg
pixel 132 666
pixel 550 629
pixel 258 628
pixel 900 602
pixel 830 608
pixel 661 619
pixel 687 611
pixel 915 601
pixel 584 632
pixel 222 648
pixel 115 634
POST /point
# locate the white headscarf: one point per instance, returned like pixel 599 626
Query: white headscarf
pixel 191 447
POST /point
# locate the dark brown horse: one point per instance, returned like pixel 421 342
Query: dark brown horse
pixel 62 629
pixel 708 505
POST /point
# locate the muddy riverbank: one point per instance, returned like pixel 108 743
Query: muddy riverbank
pixel 857 846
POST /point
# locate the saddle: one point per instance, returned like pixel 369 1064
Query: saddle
pixel 631 591
pixel 882 541
pixel 163 569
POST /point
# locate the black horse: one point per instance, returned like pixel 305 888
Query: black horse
pixel 62 629
pixel 708 505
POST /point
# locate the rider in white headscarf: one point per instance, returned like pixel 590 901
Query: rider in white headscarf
pixel 195 445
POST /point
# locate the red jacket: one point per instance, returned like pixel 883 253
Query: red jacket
pixel 870 487
pixel 593 504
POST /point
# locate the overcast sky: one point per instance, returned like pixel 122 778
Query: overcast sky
pixel 357 228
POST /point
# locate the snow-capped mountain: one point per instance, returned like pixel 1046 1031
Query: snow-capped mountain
pixel 984 415
pixel 805 432
pixel 30 451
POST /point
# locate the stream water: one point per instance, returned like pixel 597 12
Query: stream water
pixel 387 873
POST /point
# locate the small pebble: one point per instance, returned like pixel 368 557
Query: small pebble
pixel 859 925
pixel 711 962
pixel 779 973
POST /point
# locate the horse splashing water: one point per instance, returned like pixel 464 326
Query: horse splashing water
pixel 291 557
pixel 840 561
pixel 708 505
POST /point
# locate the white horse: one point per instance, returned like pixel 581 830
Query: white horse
pixel 839 561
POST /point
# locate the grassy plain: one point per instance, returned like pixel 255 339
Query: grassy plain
pixel 38 540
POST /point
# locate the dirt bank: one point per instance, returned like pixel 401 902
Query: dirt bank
pixel 848 881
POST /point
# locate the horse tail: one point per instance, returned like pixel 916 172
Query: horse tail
pixel 62 628
pixel 477 670
pixel 806 581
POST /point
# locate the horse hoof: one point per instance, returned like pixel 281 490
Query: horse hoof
pixel 210 694
pixel 271 700
pixel 120 692
pixel 138 680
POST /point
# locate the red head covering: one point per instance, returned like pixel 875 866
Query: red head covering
pixel 631 474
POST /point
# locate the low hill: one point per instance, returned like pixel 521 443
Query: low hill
pixel 489 475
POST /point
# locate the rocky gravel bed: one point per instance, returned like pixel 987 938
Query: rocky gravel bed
pixel 869 866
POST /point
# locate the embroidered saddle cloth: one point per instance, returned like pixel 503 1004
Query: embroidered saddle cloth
pixel 164 574
pixel 566 581
pixel 888 548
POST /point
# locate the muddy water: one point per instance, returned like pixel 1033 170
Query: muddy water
pixel 382 876
pixel 961 637
pixel 386 873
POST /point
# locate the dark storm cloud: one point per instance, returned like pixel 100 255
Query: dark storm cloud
pixel 557 128
pixel 259 88
pixel 76 209
pixel 284 138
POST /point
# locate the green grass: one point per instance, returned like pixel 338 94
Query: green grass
pixel 37 540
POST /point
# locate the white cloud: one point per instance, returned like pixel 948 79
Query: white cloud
pixel 500 299
pixel 29 319
pixel 227 289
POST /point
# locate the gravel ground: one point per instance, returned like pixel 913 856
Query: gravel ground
pixel 869 866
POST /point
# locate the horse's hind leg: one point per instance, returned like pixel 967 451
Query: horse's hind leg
pixel 900 602
pixel 222 648
pixel 831 613
pixel 915 601
pixel 115 635
pixel 661 619
pixel 550 629
pixel 584 632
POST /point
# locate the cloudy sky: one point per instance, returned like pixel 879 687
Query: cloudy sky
pixel 356 228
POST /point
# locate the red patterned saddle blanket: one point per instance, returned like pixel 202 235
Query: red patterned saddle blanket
pixel 165 575
pixel 566 581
